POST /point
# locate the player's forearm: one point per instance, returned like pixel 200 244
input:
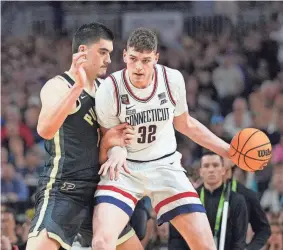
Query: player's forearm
pixel 104 147
pixel 203 136
pixel 49 122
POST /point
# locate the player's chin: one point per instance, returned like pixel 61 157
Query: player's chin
pixel 102 72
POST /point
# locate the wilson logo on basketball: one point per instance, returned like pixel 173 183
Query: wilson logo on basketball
pixel 262 153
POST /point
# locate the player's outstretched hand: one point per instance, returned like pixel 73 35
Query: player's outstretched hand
pixel 79 59
pixel 120 135
pixel 115 164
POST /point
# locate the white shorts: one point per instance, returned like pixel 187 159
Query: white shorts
pixel 168 187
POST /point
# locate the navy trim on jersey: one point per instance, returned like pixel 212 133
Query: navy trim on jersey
pixel 98 82
pixel 162 157
pixel 131 93
pixel 167 86
pixel 68 78
pixel 117 95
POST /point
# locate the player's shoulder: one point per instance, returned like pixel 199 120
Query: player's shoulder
pixel 117 75
pixel 55 84
pixel 170 72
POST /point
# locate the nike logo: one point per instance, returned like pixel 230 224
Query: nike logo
pixel 82 97
pixel 130 107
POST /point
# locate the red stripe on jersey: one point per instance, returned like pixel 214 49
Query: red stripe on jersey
pixel 117 190
pixel 168 87
pixel 132 93
pixel 174 198
pixel 116 92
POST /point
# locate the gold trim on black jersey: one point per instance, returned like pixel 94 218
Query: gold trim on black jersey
pixel 52 177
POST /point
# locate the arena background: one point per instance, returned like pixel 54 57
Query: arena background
pixel 231 56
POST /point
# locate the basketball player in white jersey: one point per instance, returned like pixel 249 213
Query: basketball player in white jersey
pixel 151 98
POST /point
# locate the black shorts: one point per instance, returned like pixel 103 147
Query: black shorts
pixel 65 209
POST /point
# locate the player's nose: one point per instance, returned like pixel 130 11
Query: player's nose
pixel 108 60
pixel 138 66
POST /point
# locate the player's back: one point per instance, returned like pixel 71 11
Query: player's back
pixel 150 111
pixel 72 154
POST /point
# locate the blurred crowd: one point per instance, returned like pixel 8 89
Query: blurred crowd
pixel 232 82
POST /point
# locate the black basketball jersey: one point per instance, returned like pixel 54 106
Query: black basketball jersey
pixel 73 152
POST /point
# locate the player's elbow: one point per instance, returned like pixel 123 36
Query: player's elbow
pixel 44 132
pixel 184 124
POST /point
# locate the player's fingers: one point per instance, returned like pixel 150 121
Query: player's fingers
pixel 128 137
pixel 125 167
pixel 79 54
pixel 101 168
pixel 121 126
pixel 127 142
pixel 128 131
pixel 118 169
pixel 112 172
pixel 80 62
pixel 106 166
pixel 117 173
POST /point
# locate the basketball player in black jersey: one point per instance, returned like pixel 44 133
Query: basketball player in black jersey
pixel 67 122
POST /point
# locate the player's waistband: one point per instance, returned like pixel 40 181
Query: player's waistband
pixel 162 157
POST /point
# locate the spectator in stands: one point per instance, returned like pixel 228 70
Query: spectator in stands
pixel 33 165
pixel 13 125
pixel 275 241
pixel 16 150
pixel 228 81
pixel 13 188
pixel 277 152
pixel 8 225
pixel 4 155
pixel 239 118
pixel 272 198
pixel 31 118
pixel 217 127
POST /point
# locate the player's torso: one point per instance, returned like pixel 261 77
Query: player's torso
pixel 151 116
pixel 74 149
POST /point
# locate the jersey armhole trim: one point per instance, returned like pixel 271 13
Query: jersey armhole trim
pixel 117 95
pixel 167 86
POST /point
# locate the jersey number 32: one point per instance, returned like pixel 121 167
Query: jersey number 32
pixel 147 134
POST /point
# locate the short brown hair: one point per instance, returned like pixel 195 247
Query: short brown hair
pixel 142 39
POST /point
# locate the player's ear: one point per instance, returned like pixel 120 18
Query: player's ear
pixel 156 57
pixel 200 172
pixel 82 48
pixel 223 172
pixel 125 56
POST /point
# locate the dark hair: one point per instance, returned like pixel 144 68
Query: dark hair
pixel 142 39
pixel 208 152
pixel 90 33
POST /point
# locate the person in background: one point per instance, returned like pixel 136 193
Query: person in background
pixel 211 193
pixel 256 214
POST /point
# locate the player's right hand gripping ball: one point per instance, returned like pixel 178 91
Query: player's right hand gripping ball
pixel 250 149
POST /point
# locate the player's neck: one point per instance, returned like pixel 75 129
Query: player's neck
pixel 212 187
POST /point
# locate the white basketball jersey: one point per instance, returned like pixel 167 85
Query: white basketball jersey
pixel 152 116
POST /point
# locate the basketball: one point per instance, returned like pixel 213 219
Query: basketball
pixel 250 149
